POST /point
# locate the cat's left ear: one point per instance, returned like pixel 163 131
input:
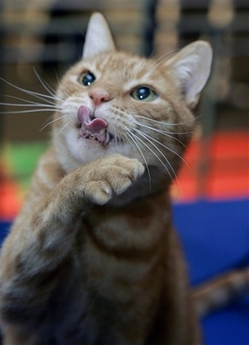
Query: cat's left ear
pixel 98 37
pixel 191 67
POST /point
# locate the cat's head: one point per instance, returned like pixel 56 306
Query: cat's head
pixel 114 102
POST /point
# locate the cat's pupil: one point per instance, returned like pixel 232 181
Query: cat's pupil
pixel 143 92
pixel 87 78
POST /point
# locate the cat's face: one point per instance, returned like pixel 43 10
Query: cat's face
pixel 137 103
pixel 112 102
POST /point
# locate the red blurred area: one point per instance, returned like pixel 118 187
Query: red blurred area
pixel 217 168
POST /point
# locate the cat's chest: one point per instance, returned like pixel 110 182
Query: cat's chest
pixel 128 231
pixel 118 248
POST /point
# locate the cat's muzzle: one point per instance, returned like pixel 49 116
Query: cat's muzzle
pixel 94 128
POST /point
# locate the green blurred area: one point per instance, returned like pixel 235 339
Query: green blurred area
pixel 22 159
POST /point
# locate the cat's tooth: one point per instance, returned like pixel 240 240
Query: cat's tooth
pixel 107 138
pixel 102 132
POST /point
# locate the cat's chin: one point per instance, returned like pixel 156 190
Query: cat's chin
pixel 73 150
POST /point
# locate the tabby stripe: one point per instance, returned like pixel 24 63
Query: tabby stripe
pixel 128 254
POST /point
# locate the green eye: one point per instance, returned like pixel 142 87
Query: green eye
pixel 87 78
pixel 144 93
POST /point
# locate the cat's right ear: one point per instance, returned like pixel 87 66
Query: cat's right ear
pixel 98 37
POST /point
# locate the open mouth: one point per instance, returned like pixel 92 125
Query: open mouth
pixel 103 137
pixel 95 128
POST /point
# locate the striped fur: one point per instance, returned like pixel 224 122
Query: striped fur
pixel 93 259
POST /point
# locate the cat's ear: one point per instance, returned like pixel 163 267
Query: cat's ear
pixel 191 67
pixel 98 37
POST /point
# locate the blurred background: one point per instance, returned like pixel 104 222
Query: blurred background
pixel 40 39
pixel 46 37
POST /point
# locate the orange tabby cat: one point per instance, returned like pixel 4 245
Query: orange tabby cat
pixel 93 259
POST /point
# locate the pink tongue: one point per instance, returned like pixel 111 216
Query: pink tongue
pixel 94 125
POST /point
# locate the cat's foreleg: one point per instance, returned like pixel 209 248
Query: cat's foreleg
pixel 34 254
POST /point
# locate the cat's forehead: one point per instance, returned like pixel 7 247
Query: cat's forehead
pixel 118 61
pixel 121 67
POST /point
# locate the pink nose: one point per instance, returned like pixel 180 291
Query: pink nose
pixel 99 95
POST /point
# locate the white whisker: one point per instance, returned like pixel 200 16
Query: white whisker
pixel 165 123
pixel 156 155
pixel 29 111
pixel 26 101
pixel 132 138
pixel 52 121
pixel 115 131
pixel 164 133
pixel 38 95
pixel 165 146
pixel 161 123
pixel 29 104
pixel 46 86
pixel 62 129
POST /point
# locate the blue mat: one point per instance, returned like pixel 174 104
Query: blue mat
pixel 215 238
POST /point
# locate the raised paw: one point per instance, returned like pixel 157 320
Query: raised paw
pixel 111 176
